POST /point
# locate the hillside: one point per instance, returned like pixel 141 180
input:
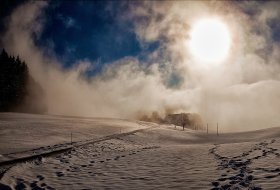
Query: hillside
pixel 122 154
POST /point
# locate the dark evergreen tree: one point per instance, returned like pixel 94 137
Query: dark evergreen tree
pixel 15 85
pixel 13 79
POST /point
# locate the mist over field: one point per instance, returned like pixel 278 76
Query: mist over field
pixel 242 93
pixel 139 94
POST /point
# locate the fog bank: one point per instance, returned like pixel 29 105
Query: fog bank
pixel 241 94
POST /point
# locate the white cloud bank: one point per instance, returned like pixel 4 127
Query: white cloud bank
pixel 241 94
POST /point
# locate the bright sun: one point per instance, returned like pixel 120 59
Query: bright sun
pixel 210 41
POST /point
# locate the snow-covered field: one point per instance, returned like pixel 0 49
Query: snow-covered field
pixel 122 154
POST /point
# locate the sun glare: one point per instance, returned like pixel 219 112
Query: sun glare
pixel 209 41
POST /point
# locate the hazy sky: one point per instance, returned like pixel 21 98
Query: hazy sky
pixel 101 31
pixel 131 58
pixel 92 30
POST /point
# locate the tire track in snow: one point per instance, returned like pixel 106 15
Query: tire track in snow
pixel 37 158
pixel 84 161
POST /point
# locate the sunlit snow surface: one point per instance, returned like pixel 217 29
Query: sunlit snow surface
pixel 157 157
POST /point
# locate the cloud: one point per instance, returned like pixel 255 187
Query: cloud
pixel 67 21
pixel 241 94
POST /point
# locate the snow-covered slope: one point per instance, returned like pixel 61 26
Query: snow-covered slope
pixel 19 132
pixel 154 157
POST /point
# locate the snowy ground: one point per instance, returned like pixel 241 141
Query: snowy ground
pixel 135 155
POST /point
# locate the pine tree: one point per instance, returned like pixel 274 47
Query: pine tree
pixel 13 81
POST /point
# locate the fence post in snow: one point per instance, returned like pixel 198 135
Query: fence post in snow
pixel 207 128
pixel 71 138
pixel 217 129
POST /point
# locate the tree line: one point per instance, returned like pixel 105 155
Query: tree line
pixel 18 90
